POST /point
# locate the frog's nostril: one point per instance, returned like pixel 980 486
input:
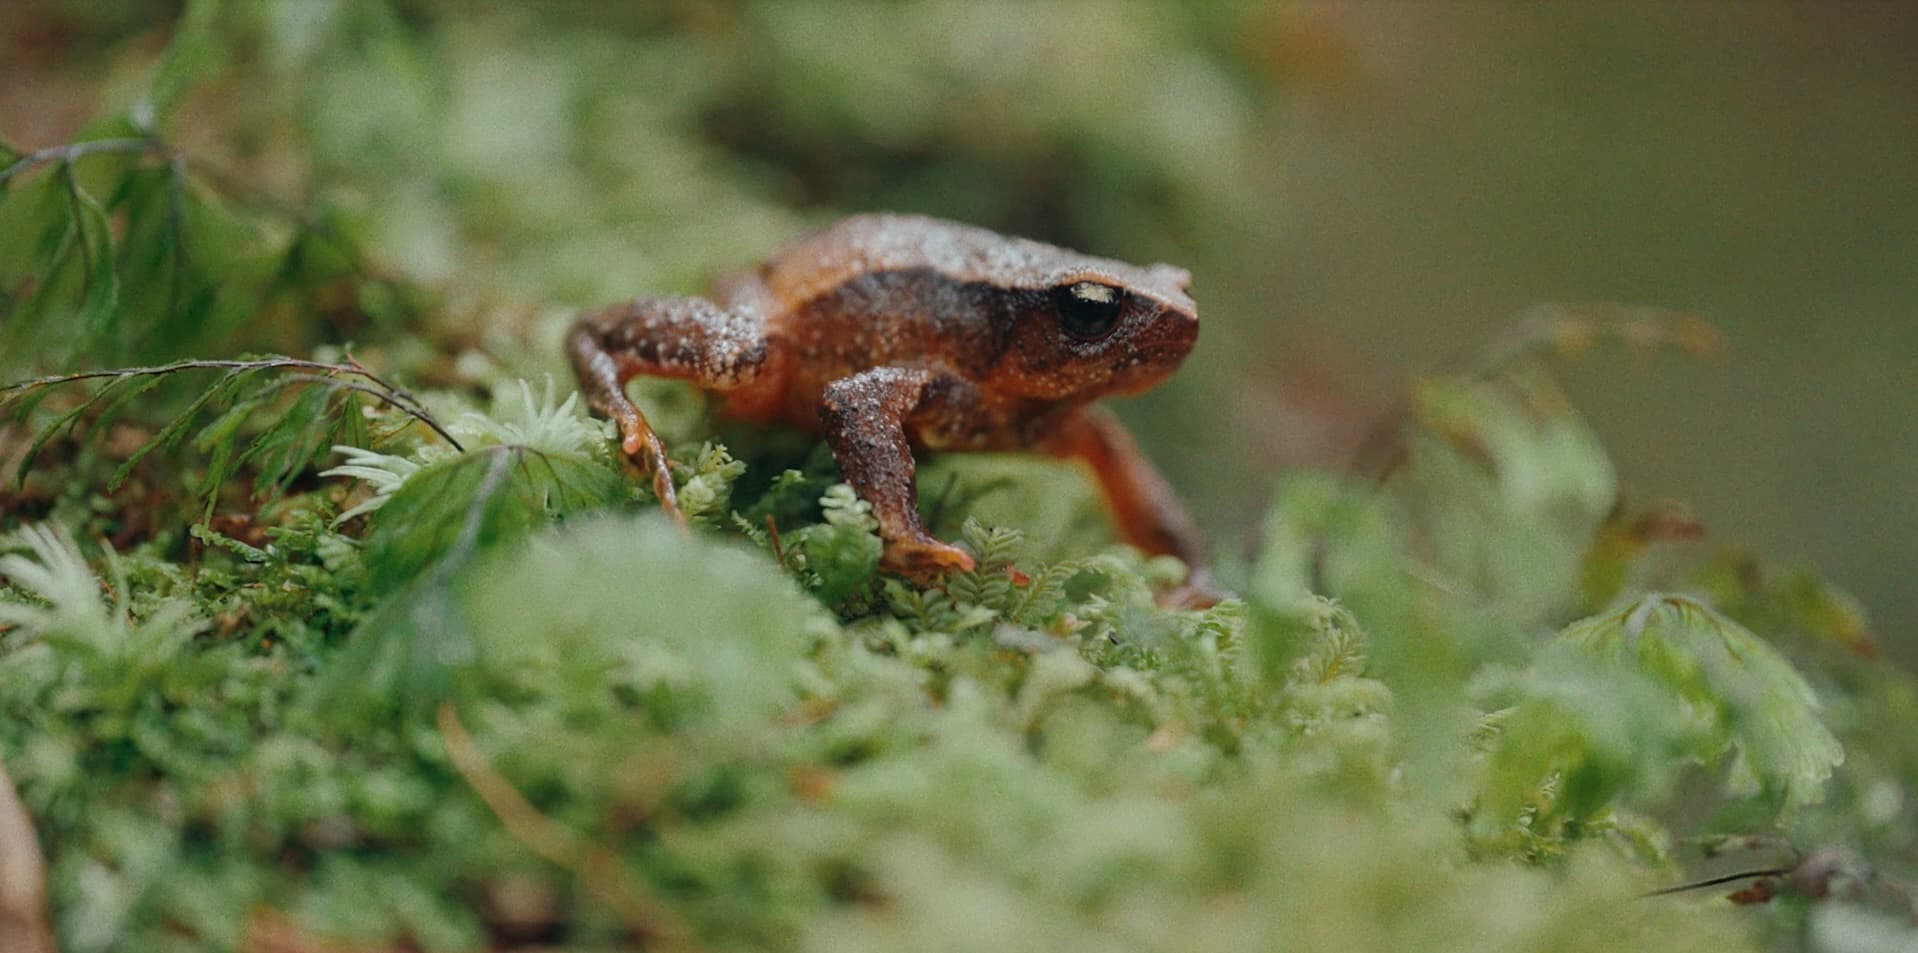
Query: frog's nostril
pixel 1171 336
pixel 1182 327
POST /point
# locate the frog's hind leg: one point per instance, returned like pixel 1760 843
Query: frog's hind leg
pixel 689 338
pixel 1144 509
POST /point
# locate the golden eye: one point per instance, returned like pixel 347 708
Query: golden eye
pixel 1087 309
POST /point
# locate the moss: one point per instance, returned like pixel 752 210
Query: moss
pixel 288 649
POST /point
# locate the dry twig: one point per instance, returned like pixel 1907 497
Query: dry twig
pixel 23 878
pixel 597 867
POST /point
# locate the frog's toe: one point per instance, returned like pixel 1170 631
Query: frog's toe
pixel 643 448
pixel 924 560
pixel 1199 591
pixel 669 500
pixel 1189 597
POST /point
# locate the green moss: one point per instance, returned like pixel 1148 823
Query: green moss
pixel 466 689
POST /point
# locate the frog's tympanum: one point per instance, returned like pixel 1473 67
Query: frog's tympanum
pixel 887 333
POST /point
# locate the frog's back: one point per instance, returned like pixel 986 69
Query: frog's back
pixel 878 290
pixel 820 263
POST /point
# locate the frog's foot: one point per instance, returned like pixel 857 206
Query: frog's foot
pixel 641 445
pixel 924 560
pixel 1199 591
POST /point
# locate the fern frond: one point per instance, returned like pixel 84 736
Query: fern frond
pixel 152 255
pixel 281 452
pixel 841 555
pixel 995 547
pixel 324 408
pixel 979 588
pixel 66 422
pixel 1337 652
pixel 1742 689
pixel 760 536
pixel 53 571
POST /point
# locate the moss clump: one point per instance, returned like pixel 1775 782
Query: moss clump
pixel 291 653
pixel 505 700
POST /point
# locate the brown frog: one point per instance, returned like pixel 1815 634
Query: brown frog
pixel 887 333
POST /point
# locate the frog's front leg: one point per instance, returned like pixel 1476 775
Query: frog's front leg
pixel 689 338
pixel 1144 508
pixel 865 419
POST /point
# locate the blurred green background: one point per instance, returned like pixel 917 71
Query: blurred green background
pixel 1366 191
pixel 1749 162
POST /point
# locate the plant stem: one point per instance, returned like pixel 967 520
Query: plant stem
pixel 323 373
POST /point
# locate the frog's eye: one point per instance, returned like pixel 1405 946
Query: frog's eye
pixel 1087 309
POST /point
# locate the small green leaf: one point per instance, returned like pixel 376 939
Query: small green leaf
pixel 67 422
pixel 1753 699
pixel 706 497
pixel 217 540
pixel 296 434
pixel 197 51
pixel 699 632
pixel 218 439
pixel 101 294
pixel 41 273
pixel 842 554
pixel 447 512
pixel 1569 742
pixel 130 390
pixel 221 391
pixel 1509 486
pixel 1339 538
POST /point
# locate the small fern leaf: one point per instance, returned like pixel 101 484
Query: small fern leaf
pixel 65 422
pixel 1753 700
pixel 175 429
pixel 291 439
pixel 217 439
pixel 99 303
pixel 134 388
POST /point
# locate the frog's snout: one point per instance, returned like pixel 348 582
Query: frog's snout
pixel 1173 275
pixel 1173 332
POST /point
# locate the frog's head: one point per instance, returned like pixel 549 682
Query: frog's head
pixel 1115 329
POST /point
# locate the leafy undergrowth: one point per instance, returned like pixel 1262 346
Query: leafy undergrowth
pixel 295 658
pixel 457 699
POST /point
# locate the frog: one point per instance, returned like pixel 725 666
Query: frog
pixel 892 334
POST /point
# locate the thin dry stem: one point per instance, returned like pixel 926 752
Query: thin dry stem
pixel 23 878
pixel 597 867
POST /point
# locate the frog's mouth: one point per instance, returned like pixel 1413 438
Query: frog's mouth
pixel 1138 380
pixel 1168 340
pixel 1146 366
pixel 1155 352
